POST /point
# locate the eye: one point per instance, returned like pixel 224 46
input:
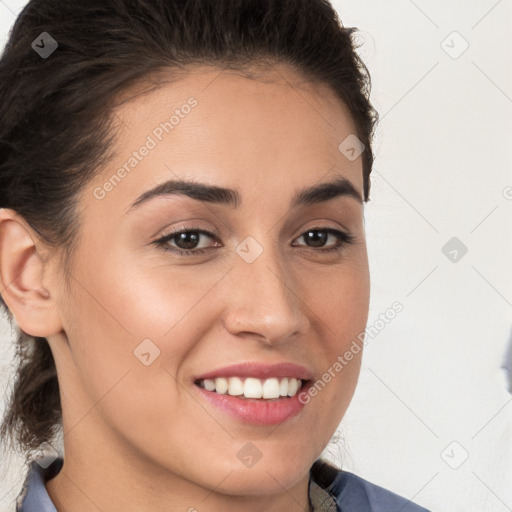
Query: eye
pixel 187 239
pixel 343 238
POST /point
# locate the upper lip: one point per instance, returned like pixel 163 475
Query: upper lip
pixel 259 370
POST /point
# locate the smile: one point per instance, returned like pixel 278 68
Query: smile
pixel 251 387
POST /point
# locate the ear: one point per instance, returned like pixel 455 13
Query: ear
pixel 23 265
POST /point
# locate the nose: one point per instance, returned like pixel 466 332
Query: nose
pixel 264 300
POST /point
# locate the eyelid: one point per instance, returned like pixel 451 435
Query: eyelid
pixel 214 233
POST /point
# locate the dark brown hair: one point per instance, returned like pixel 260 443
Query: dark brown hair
pixel 57 126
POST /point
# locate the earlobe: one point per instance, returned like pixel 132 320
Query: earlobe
pixel 22 270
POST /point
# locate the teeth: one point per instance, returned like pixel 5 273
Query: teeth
pixel 271 388
pixel 209 384
pixel 221 385
pixel 236 386
pixel 283 388
pixel 293 386
pixel 251 387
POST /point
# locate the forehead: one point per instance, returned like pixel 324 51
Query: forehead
pixel 218 126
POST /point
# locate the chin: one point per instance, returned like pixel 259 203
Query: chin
pixel 268 475
pixel 254 482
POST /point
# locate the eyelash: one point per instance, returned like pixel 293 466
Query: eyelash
pixel 344 239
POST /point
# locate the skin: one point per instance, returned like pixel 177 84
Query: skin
pixel 136 437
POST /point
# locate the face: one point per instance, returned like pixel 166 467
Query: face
pixel 269 288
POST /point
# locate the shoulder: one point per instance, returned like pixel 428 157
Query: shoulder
pixel 355 494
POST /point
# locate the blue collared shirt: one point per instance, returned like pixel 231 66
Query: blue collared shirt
pixel 330 490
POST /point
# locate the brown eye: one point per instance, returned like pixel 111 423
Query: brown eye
pixel 319 236
pixel 185 240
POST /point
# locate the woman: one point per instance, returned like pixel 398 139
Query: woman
pixel 182 247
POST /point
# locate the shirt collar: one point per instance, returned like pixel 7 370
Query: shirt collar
pixel 34 496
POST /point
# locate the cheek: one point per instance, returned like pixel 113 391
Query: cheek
pixel 117 313
pixel 341 306
pixel 340 298
pixel 129 316
pixel 155 302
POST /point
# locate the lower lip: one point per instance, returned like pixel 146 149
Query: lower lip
pixel 256 411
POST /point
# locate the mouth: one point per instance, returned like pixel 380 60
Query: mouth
pixel 258 402
pixel 255 393
pixel 273 388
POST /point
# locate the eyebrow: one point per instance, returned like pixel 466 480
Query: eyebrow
pixel 340 187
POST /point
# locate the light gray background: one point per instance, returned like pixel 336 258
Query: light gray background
pixel 431 418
